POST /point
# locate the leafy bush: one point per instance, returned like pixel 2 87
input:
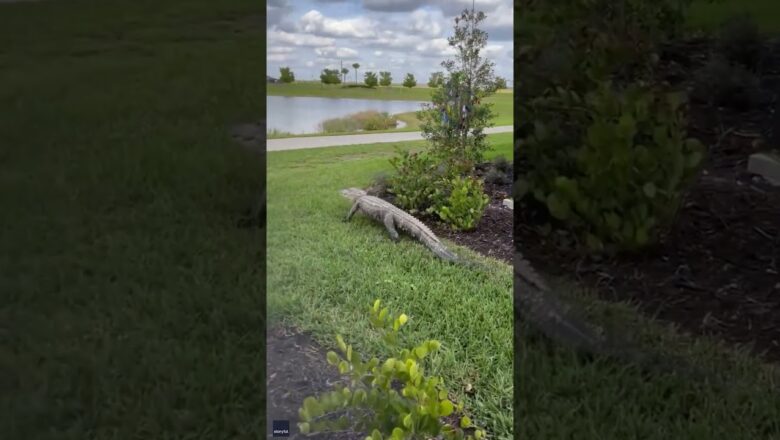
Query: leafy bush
pixel 741 42
pixel 724 84
pixel 611 166
pixel 417 412
pixel 465 205
pixel 417 180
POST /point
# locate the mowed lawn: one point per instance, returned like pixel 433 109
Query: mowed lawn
pixel 131 306
pixel 324 274
pixel 502 101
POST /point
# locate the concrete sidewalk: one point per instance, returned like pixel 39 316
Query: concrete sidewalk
pixel 298 143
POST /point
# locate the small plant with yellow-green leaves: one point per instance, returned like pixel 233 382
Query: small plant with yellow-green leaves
pixel 391 399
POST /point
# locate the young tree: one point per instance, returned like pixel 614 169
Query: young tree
pixel 500 83
pixel 409 81
pixel 370 79
pixel 356 66
pixel 344 72
pixel 385 79
pixel 330 76
pixel 286 75
pixel 455 120
pixel 436 80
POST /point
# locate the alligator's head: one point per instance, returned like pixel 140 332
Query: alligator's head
pixel 352 193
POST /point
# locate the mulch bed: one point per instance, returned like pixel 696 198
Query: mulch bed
pixel 492 236
pixel 717 272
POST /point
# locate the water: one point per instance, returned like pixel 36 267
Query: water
pixel 301 115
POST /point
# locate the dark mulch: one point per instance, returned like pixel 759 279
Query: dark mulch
pixel 492 236
pixel 297 369
pixel 717 272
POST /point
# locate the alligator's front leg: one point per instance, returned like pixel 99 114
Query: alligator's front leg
pixel 352 210
pixel 390 225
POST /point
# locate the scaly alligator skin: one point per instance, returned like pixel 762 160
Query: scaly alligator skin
pixel 394 217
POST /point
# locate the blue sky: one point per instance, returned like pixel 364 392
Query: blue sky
pixel 400 36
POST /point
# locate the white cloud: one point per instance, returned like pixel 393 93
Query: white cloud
pixel 297 39
pixel 315 23
pixel 392 5
pixel 438 47
pixel 278 57
pixel 413 40
pixel 280 49
pixel 331 52
pixel 425 23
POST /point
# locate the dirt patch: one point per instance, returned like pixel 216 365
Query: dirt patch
pixel 296 369
pixel 717 272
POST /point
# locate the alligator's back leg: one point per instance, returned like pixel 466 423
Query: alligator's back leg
pixel 390 225
pixel 352 210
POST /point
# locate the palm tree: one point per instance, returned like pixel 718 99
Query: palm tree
pixel 356 66
pixel 344 72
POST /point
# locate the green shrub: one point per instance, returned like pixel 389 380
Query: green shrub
pixel 741 42
pixel 417 181
pixel 611 166
pixel 417 412
pixel 465 205
pixel 727 85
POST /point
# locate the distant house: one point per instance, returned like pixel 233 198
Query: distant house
pixel 271 79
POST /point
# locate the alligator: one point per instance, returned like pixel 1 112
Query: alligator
pixel 533 299
pixel 395 218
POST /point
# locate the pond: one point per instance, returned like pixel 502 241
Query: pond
pixel 302 115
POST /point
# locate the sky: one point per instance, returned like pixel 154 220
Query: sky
pixel 400 36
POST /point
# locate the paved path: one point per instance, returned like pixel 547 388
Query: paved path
pixel 355 139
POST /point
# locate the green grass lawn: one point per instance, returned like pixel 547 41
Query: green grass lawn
pixel 709 15
pixel 562 397
pixel 131 304
pixel 502 101
pixel 323 274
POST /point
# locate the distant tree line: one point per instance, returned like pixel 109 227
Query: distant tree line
pixel 370 79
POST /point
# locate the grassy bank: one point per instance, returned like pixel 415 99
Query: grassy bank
pixel 130 303
pixel 324 273
pixel 317 89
